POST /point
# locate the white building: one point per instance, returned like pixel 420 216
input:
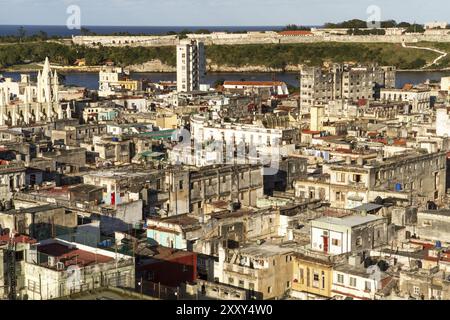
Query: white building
pixel 442 122
pixel 277 88
pixel 436 25
pixel 357 283
pixel 56 268
pixel 347 234
pixel 113 80
pixel 419 99
pixel 445 84
pixel 191 65
pixel 215 143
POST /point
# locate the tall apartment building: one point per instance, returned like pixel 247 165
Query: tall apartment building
pixel 318 86
pixel 191 65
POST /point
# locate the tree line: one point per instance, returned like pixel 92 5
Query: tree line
pixel 361 24
pixel 277 56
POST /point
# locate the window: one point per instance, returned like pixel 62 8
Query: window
pixel 288 284
pixel 358 241
pixel 241 283
pixel 316 280
pixel 368 286
pixel 340 196
pixel 416 290
pixel 269 289
pixel 340 177
pixel 357 178
pixel 352 282
pixel 340 278
pixel 335 242
pixel 301 276
pixel 180 184
pixel 251 286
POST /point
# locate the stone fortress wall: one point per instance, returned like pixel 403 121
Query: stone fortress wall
pixel 267 37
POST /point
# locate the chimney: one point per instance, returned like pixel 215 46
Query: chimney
pixel 355 260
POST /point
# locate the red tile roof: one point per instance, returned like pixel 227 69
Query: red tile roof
pixel 306 131
pixel 17 239
pixel 342 150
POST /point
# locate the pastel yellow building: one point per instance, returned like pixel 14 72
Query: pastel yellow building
pixel 168 121
pixel 313 278
pixel 131 85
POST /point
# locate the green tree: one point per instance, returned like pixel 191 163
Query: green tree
pixel 85 31
pixel 21 33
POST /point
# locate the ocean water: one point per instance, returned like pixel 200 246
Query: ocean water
pixel 90 80
pixel 63 31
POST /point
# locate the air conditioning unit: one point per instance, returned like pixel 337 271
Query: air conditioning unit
pixel 51 261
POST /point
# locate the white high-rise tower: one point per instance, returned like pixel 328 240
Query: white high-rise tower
pixel 191 65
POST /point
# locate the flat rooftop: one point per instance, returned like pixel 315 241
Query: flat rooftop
pixel 183 220
pixel 265 250
pixel 347 221
pixel 33 210
pixel 357 271
pixel 85 188
pixel 72 256
pixel 120 174
pixel 107 294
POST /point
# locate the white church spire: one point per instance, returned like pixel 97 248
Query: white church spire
pixel 46 69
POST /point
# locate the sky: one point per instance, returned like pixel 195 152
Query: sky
pixel 217 12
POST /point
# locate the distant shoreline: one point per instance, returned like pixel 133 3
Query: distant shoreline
pixel 96 69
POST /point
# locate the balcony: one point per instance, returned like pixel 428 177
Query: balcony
pixel 246 271
pixel 360 184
